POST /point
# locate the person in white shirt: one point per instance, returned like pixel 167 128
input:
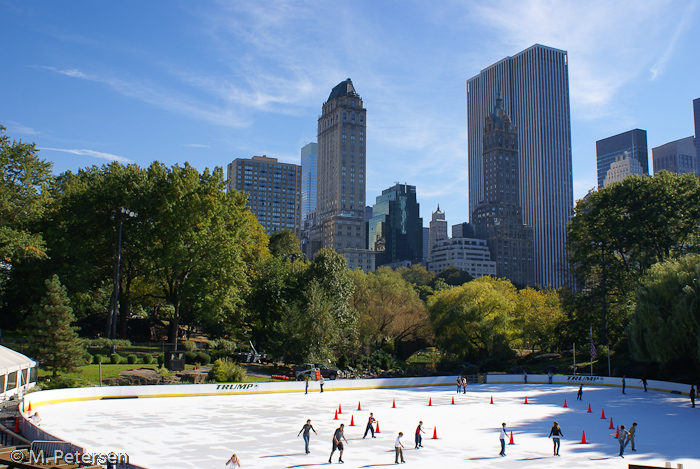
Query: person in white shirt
pixel 398 446
pixel 36 420
pixel 233 462
pixel 503 437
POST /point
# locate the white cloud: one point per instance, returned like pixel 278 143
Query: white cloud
pixel 686 20
pixel 17 128
pixel 92 153
pixel 196 145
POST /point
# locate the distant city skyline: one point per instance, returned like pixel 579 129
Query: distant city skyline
pixel 207 83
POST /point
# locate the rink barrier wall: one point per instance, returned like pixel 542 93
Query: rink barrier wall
pixel 58 396
pixel 575 380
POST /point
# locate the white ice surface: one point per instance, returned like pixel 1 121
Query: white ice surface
pixel 202 432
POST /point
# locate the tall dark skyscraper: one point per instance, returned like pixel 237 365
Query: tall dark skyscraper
pixel 634 142
pixel 340 205
pixel 396 228
pixel 535 83
pixel 498 219
pixel 309 178
pixel 696 115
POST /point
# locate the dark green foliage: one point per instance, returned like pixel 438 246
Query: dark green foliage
pixel 227 371
pixel 97 359
pixel 285 245
pixel 59 382
pixel 87 357
pixel 161 359
pixel 55 342
pixel 115 359
pixel 147 359
pixel 202 359
pixel 132 359
pixel 190 357
pixel 343 362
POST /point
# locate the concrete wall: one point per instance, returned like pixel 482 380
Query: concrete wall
pixel 631 383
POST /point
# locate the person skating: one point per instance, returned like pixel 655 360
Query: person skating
pixel 525 376
pixel 398 447
pixel 233 462
pixel 419 438
pixel 337 443
pixel 555 433
pixel 579 394
pixel 623 385
pixel 320 382
pixel 459 384
pixel 622 439
pixel 464 384
pixel 307 428
pixel 644 382
pixel 306 386
pixel 503 435
pixel 370 425
pixel 549 377
pixel 692 396
pixel 630 435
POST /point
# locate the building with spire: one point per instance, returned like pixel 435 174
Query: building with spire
pixel 340 207
pixel 536 86
pixel 498 218
pixel 396 228
pixel 438 230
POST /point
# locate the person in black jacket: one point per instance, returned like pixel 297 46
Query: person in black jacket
pixel 692 395
pixel 555 433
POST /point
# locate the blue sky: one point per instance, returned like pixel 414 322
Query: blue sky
pixel 207 82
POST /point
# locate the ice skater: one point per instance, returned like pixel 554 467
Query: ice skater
pixel 320 383
pixel 306 386
pixel 579 394
pixel 622 439
pixel 307 428
pixel 644 382
pixel 459 384
pixel 692 396
pixel 398 447
pixel 525 376
pixel 337 443
pixel 555 433
pixel 630 435
pixel 234 461
pixel 419 438
pixel 35 419
pixel 464 384
pixel 503 435
pixel 549 376
pixel 370 425
pixel 623 384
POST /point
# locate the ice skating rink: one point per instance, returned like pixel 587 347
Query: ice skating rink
pixel 203 432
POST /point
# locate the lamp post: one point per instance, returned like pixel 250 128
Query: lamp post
pixel 121 215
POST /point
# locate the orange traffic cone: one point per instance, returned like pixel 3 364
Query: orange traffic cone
pixel 340 409
pixel 352 420
pixel 611 425
pixel 336 415
pixel 602 414
pixel 16 424
pixel 430 401
pixel 359 407
pixel 589 408
pixel 525 399
pixel 565 403
pixel 583 438
pixel 617 432
pixel 511 442
pixel 435 433
pixel 453 399
pixel 491 399
pixel 393 403
pixel 377 431
pixel 29 407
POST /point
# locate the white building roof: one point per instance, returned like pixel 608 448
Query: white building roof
pixel 13 361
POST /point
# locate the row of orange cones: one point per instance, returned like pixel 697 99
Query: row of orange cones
pixel 359 407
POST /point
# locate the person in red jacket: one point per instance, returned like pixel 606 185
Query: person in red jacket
pixel 419 438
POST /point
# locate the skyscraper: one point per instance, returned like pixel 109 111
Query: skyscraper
pixel 273 191
pixel 676 157
pixel 633 142
pixel 696 115
pixel 498 219
pixel 396 228
pixel 438 231
pixel 535 83
pixel 341 169
pixel 309 178
pixel 622 167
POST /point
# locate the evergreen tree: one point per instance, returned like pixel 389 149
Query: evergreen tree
pixel 54 342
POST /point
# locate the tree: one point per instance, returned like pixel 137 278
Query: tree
pixel 24 179
pixel 665 324
pixel 627 227
pixel 473 320
pixel 537 318
pixel 452 276
pixel 285 245
pixel 55 343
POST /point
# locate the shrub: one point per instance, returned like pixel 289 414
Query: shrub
pixel 189 345
pixel 190 357
pixel 161 359
pixel 226 371
pixel 87 356
pixel 148 359
pixel 132 359
pixel 97 359
pixel 223 345
pixel 59 382
pixel 202 359
pixel 107 343
pixel 343 362
pixel 115 358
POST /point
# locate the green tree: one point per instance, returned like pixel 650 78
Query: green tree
pixel 665 325
pixel 452 276
pixel 474 320
pixel 24 179
pixel 54 342
pixel 285 245
pixel 538 318
pixel 628 227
